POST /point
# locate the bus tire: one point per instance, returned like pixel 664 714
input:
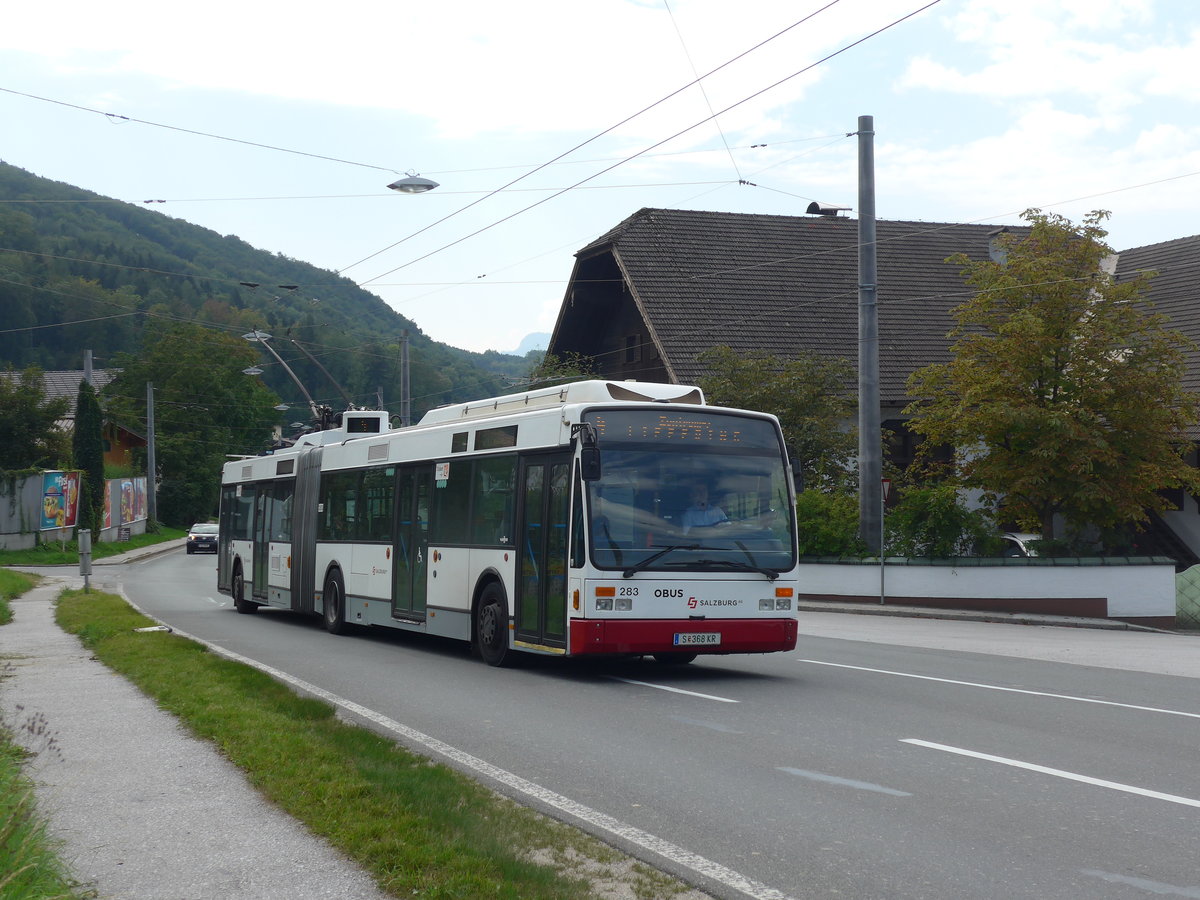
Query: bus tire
pixel 674 659
pixel 238 589
pixel 334 603
pixel 491 626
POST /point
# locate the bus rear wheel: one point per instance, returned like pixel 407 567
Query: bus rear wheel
pixel 334 601
pixel 240 603
pixel 491 626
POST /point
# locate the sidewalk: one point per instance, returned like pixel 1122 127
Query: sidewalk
pixel 144 810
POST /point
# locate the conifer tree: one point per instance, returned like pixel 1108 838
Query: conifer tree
pixel 88 451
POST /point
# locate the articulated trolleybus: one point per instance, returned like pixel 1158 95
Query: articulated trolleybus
pixel 596 518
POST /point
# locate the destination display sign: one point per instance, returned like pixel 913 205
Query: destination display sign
pixel 691 427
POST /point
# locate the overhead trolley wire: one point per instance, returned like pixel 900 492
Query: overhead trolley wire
pixel 654 146
pixel 579 146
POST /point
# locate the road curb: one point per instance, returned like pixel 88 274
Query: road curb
pixel 922 612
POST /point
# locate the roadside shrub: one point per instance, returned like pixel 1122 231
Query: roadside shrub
pixel 933 522
pixel 827 524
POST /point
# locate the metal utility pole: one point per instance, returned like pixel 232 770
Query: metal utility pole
pixel 870 435
pixel 405 386
pixel 151 481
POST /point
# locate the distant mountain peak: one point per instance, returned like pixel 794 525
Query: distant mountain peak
pixel 539 340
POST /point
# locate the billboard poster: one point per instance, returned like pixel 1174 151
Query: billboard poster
pixel 127 502
pixel 60 499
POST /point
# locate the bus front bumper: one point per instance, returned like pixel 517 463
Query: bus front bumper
pixel 635 636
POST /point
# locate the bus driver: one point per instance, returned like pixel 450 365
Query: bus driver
pixel 701 513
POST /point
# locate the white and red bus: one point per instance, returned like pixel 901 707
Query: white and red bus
pixel 616 518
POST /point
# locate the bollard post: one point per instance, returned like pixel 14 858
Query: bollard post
pixel 85 556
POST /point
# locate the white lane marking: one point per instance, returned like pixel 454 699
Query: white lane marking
pixel 703 723
pixel 1145 884
pixel 1058 773
pixel 673 690
pixel 844 782
pixel 996 687
pixel 214 601
pixel 673 853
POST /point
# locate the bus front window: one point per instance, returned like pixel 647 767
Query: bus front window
pixel 713 501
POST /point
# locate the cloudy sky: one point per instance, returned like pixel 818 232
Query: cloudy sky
pixel 283 124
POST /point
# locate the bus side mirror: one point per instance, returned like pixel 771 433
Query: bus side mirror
pixel 589 463
pixel 797 473
pixel 589 452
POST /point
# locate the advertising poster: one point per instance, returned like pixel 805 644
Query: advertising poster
pixel 60 499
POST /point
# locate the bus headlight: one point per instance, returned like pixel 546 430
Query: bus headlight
pixel 624 604
pixel 783 602
pixel 766 603
pixel 604 603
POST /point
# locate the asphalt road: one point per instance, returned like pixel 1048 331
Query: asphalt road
pixel 878 760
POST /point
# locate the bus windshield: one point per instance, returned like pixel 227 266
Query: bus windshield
pixel 689 491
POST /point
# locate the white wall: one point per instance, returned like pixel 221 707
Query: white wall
pixel 1128 590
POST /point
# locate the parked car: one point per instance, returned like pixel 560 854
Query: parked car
pixel 1017 544
pixel 202 536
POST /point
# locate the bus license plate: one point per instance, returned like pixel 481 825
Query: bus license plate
pixel 697 637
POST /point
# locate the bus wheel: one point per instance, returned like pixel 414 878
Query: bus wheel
pixel 335 604
pixel 491 626
pixel 240 603
pixel 674 659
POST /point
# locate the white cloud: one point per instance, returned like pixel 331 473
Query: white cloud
pixel 1095 49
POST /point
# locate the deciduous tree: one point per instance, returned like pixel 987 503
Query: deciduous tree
pixel 205 408
pixel 1064 393
pixel 29 423
pixel 810 394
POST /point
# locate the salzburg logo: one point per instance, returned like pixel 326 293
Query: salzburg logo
pixel 691 602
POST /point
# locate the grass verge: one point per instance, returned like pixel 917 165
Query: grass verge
pixel 12 584
pixel 66 553
pixel 30 868
pixel 419 828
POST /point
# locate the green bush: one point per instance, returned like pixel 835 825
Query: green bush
pixel 934 522
pixel 827 524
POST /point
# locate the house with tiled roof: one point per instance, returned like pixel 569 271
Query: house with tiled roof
pixel 647 298
pixel 119 442
pixel 1175 292
pixel 656 291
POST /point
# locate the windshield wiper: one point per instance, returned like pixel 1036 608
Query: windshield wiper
pixel 654 557
pixel 736 564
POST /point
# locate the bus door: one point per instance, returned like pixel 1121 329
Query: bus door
pixel 544 516
pixel 262 539
pixel 410 550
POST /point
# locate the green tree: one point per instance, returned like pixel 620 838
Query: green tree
pixel 1064 394
pixel 87 450
pixel 205 408
pixel 553 370
pixel 29 423
pixel 811 395
pixel 933 521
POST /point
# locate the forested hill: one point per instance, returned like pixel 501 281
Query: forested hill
pixel 79 271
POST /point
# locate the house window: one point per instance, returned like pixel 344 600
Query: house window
pixel 633 348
